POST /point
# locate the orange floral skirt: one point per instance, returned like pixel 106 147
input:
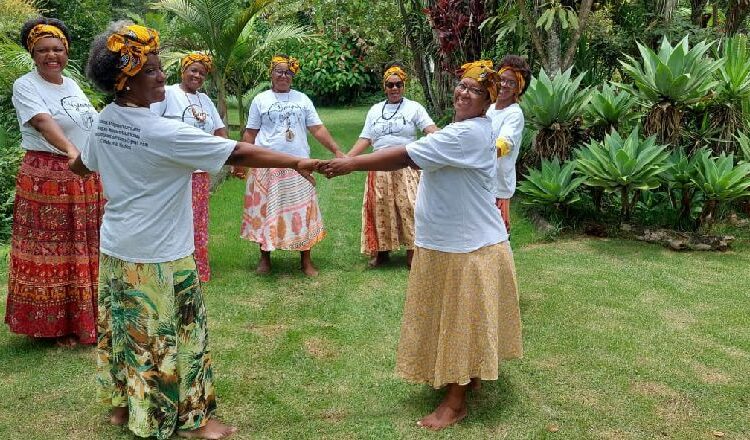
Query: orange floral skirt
pixel 201 194
pixel 388 210
pixel 54 250
pixel 281 210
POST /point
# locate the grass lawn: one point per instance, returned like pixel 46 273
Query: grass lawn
pixel 623 340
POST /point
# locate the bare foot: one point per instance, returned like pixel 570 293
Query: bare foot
pixel 119 416
pixel 379 259
pixel 308 268
pixel 443 417
pixel 264 264
pixel 212 430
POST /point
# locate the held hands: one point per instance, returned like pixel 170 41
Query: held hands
pixel 337 167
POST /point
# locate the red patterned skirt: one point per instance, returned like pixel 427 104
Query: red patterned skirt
pixel 54 251
pixel 201 194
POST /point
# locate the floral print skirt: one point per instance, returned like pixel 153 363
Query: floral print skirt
pixel 281 210
pixel 152 350
pixel 54 250
pixel 201 194
pixel 388 210
pixel 461 316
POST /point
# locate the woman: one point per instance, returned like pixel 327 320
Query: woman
pixel 508 122
pixel 461 315
pixel 153 358
pixel 388 205
pixel 184 102
pixel 281 207
pixel 54 251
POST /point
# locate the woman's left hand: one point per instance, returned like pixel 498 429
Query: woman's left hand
pixel 338 167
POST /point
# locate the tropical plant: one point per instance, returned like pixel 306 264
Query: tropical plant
pixel 552 185
pixel 554 106
pixel 610 109
pixel 720 180
pixel 733 89
pixel 679 180
pixel 623 165
pixel 667 81
pixel 744 146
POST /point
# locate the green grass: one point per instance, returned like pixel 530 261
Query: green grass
pixel 623 340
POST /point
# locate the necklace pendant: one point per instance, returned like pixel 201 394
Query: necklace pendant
pixel 289 135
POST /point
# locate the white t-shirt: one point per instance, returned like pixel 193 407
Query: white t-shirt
pixel 455 210
pixel 189 108
pixel 395 124
pixel 507 123
pixel 283 119
pixel 145 164
pixel 65 103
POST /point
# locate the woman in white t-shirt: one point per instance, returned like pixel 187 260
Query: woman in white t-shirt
pixel 507 122
pixel 281 208
pixel 54 249
pixel 186 103
pixel 153 357
pixel 461 315
pixel 388 203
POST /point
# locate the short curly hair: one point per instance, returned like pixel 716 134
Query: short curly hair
pixel 29 25
pixel 519 64
pixel 101 67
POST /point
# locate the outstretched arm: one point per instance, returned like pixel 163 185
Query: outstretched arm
pixel 359 146
pixel 321 133
pixel 387 159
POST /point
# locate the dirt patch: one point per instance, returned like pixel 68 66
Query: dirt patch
pixel 654 389
pixel 677 411
pixel 319 348
pixel 712 376
pixel 333 414
pixel 267 330
pixel 678 319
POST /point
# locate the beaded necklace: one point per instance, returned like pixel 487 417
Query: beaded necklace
pixel 382 110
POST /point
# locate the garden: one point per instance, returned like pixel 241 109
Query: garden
pixel 635 161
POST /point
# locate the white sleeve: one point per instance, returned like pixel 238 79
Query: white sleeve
pixel 311 115
pixel 440 149
pixel 27 101
pixel 421 118
pixel 88 153
pixel 195 149
pixel 512 129
pixel 369 120
pixel 253 115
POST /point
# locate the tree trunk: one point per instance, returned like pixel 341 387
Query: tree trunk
pixel 737 11
pixel 553 49
pixel 418 58
pixel 696 12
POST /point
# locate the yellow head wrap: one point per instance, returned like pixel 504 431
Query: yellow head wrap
pixel 44 31
pixel 519 78
pixel 483 73
pixel 133 43
pixel 197 57
pixel 394 70
pixel 289 61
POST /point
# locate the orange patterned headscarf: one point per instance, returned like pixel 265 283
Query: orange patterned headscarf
pixel 133 43
pixel 395 70
pixel 520 82
pixel 483 73
pixel 197 57
pixel 289 61
pixel 44 31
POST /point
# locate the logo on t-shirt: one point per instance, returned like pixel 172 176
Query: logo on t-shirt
pixel 388 126
pixel 286 114
pixel 80 111
pixel 195 115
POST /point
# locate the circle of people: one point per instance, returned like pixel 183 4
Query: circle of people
pixel 110 226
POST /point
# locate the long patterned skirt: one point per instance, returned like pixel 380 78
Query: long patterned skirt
pixel 461 316
pixel 152 352
pixel 388 210
pixel 201 195
pixel 54 250
pixel 281 210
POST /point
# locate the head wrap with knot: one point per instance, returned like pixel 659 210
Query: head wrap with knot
pixel 197 57
pixel 44 31
pixel 520 82
pixel 395 70
pixel 133 43
pixel 482 72
pixel 291 62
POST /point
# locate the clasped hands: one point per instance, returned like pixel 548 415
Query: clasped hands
pixel 329 168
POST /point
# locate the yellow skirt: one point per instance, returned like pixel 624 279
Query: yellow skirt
pixel 461 316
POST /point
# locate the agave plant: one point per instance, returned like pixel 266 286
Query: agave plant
pixel 720 180
pixel 553 106
pixel 623 165
pixel 744 146
pixel 679 179
pixel 726 115
pixel 610 109
pixel 554 185
pixel 669 80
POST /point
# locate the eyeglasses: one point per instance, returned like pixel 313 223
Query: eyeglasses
pixel 508 83
pixel 394 85
pixel 461 87
pixel 278 72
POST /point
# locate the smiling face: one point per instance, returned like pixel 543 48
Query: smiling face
pixel 470 99
pixel 50 57
pixel 193 77
pixel 281 78
pixel 147 86
pixel 394 89
pixel 508 87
